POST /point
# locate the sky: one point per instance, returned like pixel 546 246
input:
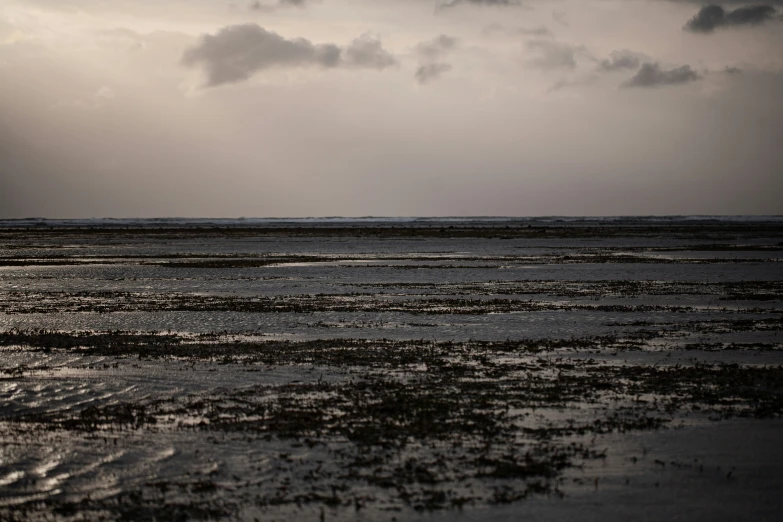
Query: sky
pixel 281 108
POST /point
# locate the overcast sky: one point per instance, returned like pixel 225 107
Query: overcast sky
pixel 228 108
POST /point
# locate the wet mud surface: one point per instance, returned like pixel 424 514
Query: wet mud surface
pixel 380 373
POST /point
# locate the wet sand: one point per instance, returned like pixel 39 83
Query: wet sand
pixel 476 370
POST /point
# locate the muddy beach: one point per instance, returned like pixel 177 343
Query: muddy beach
pixel 433 370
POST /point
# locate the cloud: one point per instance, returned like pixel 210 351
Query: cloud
pixel 555 55
pixel 367 52
pixel 495 28
pixel 431 64
pixel 619 61
pixel 436 47
pixel 452 3
pixel 565 83
pixel 561 17
pixel 712 17
pixel 256 5
pixel 431 71
pixel 534 31
pixel 651 75
pixel 237 52
pixel 445 4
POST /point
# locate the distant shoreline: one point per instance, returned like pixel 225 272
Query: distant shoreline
pixel 394 226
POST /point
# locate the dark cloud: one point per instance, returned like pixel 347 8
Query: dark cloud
pixel 237 52
pixel 620 61
pixel 712 17
pixel 431 71
pixel 651 75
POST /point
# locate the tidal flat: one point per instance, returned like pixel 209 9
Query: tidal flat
pixel 392 370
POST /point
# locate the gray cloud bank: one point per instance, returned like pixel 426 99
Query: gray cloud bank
pixel 712 17
pixel 651 75
pixel 237 52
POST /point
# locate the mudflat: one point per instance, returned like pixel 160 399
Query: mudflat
pixel 375 370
